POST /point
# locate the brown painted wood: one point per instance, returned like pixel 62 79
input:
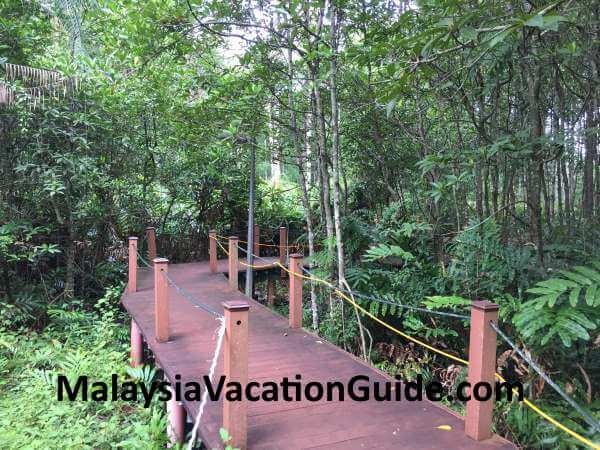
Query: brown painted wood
pixel 234 263
pixel 276 351
pixel 212 250
pixel 283 237
pixel 161 299
pixel 132 269
pixel 235 361
pixel 295 292
pixel 256 246
pixel 482 367
pixel 151 239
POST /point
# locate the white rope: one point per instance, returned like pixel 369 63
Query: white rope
pixel 211 373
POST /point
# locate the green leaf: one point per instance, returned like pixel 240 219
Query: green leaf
pixel 579 279
pixel 588 273
pixel 574 296
pixel 224 435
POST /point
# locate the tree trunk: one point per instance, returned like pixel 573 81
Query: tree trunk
pixel 589 159
pixel 324 167
pixel 335 140
pixel 536 167
pixel 302 157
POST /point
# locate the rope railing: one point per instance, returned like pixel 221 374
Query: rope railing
pixel 175 429
pixel 181 291
pixel 342 293
pixel 587 417
pixel 211 375
pixel 293 246
pixel 191 299
pixel 396 304
pixel 143 260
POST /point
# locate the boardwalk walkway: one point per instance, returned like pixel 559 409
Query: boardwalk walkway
pixel 276 351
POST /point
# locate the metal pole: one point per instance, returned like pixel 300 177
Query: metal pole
pixel 250 243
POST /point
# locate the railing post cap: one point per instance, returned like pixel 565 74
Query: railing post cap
pixel 236 305
pixel 233 238
pixel 133 238
pixel 485 305
pixel 150 228
pixel 160 261
pixel 212 231
pixel 296 255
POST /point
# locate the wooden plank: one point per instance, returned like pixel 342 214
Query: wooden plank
pixel 275 351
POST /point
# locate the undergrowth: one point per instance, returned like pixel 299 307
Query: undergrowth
pixel 75 342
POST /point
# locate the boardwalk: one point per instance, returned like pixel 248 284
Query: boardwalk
pixel 276 351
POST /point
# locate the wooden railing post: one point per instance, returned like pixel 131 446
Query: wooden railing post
pixel 235 352
pixel 137 345
pixel 212 250
pixel 256 241
pixel 161 299
pixel 233 262
pixel 151 238
pixel 482 367
pixel 176 423
pixel 132 281
pixel 283 235
pixel 295 291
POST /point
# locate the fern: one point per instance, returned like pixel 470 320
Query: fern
pixel 579 284
pixel 564 307
pixel 445 302
pixel 383 251
pixel 142 374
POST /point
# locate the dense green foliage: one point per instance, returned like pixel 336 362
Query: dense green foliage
pixel 428 153
pixel 74 343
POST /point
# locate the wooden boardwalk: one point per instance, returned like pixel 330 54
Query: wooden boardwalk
pixel 276 351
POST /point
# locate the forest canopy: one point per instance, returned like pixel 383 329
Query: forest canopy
pixel 429 153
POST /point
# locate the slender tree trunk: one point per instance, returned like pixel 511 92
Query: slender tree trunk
pixel 324 166
pixel 478 190
pixel 302 158
pixel 69 291
pixel 335 140
pixel 535 175
pixel 589 159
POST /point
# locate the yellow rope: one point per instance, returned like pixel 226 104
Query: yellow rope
pixel 253 266
pixel 295 246
pixel 221 245
pixel 528 403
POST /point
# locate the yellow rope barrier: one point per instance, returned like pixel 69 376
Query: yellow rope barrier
pixel 221 245
pixel 295 246
pixel 528 403
pixel 342 295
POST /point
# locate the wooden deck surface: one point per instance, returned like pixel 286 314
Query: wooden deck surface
pixel 275 351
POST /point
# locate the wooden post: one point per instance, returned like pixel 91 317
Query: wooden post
pixel 295 291
pixel 233 262
pixel 482 367
pixel 161 299
pixel 137 345
pixel 283 235
pixel 176 423
pixel 256 242
pixel 212 250
pixel 132 282
pixel 235 363
pixel 270 291
pixel 151 238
